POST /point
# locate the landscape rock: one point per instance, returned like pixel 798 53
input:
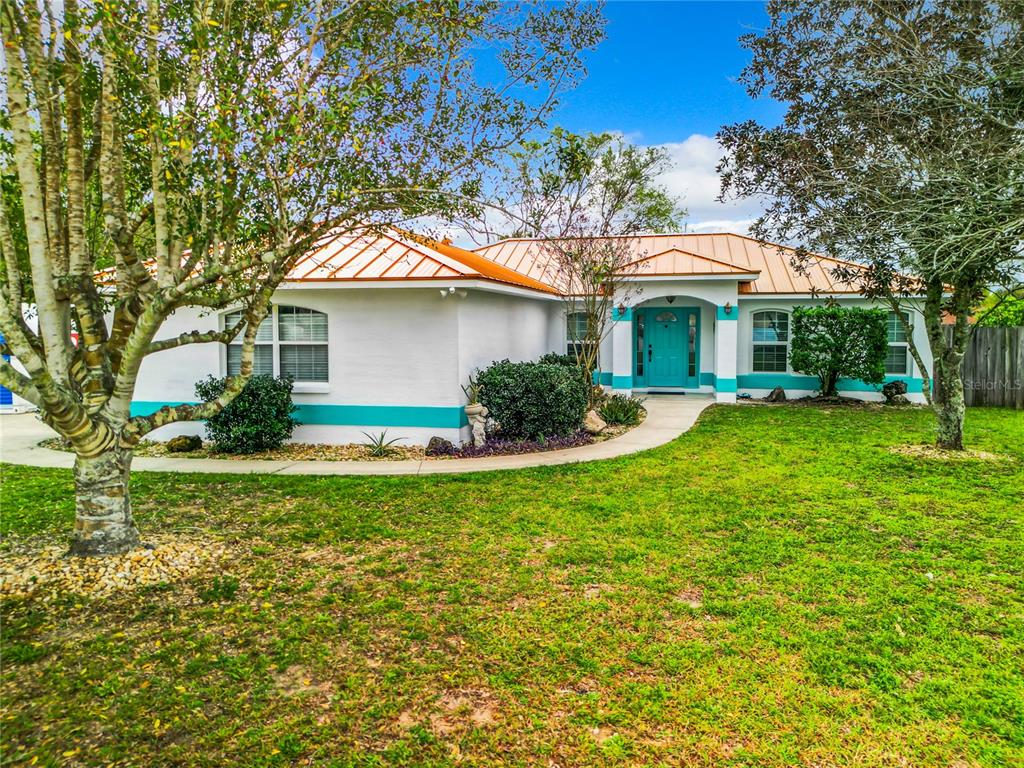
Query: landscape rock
pixel 593 424
pixel 184 444
pixel 895 392
pixel 438 446
pixel 777 395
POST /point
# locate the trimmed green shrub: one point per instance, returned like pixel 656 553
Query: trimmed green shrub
pixel 569 361
pixel 531 400
pixel 554 358
pixel 258 419
pixel 622 409
pixel 834 341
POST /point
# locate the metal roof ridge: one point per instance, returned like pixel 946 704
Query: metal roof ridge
pixel 732 265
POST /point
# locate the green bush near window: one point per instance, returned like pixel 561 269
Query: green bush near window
pixel 569 361
pixel 531 400
pixel 833 341
pixel 623 410
pixel 553 358
pixel 258 419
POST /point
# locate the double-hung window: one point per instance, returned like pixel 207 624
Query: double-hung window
pixel 291 341
pixel 302 336
pixel 576 332
pixel 770 341
pixel 263 355
pixel 897 357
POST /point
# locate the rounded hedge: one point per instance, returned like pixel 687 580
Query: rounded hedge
pixel 530 400
pixel 258 419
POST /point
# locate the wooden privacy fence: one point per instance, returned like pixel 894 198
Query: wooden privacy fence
pixel 994 367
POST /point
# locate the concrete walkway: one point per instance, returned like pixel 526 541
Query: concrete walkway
pixel 668 416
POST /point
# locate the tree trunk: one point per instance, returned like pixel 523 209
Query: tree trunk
pixel 949 408
pixel 828 382
pixel 103 508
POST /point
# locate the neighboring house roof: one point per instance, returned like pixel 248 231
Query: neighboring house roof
pixel 694 254
pixel 369 257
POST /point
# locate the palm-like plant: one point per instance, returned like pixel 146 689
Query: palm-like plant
pixel 379 445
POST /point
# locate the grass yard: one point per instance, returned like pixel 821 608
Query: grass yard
pixel 774 588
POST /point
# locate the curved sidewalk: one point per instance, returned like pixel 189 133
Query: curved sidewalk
pixel 668 416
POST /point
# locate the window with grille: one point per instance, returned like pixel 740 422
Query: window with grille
pixel 771 341
pixel 263 355
pixel 298 348
pixel 576 332
pixel 897 357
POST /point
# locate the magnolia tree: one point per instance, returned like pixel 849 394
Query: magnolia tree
pixel 193 150
pixel 588 197
pixel 902 151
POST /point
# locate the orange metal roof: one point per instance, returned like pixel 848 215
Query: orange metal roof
pixel 694 254
pixel 370 256
pixel 367 256
pixel 676 261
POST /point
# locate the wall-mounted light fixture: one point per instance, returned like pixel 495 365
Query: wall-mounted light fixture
pixel 728 308
pixel 671 299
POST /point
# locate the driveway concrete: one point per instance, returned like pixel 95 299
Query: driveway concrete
pixel 668 416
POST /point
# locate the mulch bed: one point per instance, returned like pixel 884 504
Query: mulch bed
pixel 51 573
pixel 352 452
pixel 941 454
pixel 825 402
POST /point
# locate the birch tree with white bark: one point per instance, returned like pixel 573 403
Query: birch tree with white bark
pixel 161 155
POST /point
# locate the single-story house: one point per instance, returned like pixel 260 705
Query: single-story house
pixel 381 332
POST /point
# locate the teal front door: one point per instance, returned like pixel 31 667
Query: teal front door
pixel 667 353
pixel 670 347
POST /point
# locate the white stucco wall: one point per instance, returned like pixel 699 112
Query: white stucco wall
pixel 726 348
pixel 495 327
pixel 396 356
pixel 744 365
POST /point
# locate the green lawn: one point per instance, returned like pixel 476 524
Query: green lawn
pixel 774 588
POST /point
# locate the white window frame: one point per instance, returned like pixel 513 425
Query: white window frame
pixel 275 344
pixel 570 343
pixel 789 338
pixel 907 367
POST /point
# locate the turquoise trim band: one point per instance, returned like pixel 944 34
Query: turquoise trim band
pixel 438 417
pixel 622 382
pixel 734 313
pixel 149 407
pixel 791 381
pixel 429 416
pixel 707 378
pixel 725 385
pixel 604 378
pixel 624 315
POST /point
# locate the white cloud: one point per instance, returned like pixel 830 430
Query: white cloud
pixel 694 180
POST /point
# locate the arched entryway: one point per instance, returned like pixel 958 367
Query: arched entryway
pixel 667 344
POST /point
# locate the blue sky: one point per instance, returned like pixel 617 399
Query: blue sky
pixel 668 70
pixel 667 75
